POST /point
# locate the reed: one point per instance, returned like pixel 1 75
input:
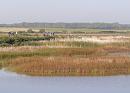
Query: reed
pixel 90 59
pixel 70 66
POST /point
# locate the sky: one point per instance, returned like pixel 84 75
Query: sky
pixel 109 11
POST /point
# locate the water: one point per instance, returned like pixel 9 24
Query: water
pixel 13 83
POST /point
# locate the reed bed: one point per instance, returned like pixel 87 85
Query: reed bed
pixel 78 59
pixel 73 44
pixel 77 44
pixel 70 66
pixel 84 52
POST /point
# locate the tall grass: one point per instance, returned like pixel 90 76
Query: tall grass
pixel 82 59
pixel 70 66
pixel 47 52
pixel 51 52
pixel 68 44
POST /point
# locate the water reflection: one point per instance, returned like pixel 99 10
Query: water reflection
pixel 13 83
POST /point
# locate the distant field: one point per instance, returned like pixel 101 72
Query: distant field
pixel 7 29
pixel 14 29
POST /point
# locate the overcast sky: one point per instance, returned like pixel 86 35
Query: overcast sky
pixel 13 11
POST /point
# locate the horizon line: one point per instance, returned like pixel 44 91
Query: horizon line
pixel 68 22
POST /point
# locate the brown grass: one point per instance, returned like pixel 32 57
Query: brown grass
pixel 70 66
pixel 84 61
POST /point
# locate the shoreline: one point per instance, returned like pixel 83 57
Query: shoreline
pixel 10 73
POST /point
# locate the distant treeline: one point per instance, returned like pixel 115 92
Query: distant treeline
pixel 70 25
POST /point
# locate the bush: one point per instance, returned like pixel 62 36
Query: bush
pixel 42 30
pixel 30 31
pixel 7 41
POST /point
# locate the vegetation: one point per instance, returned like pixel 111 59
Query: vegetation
pixel 70 25
pixel 30 31
pixel 70 66
pixel 31 53
pixel 67 61
pixel 42 30
pixel 22 40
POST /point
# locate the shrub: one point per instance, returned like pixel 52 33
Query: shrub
pixel 30 31
pixel 42 30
